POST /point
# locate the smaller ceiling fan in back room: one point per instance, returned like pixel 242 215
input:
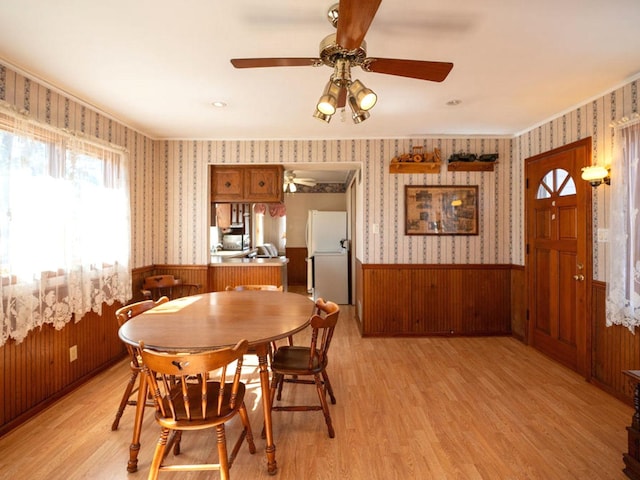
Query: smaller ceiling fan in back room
pixel 346 49
pixel 290 182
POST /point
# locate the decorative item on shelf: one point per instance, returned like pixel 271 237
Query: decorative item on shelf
pixel 470 162
pixel 417 161
pixel 596 175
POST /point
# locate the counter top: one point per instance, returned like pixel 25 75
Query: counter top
pixel 220 261
pixel 234 253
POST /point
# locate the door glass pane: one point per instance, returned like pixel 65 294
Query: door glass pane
pixel 557 181
pixel 543 192
pixel 568 187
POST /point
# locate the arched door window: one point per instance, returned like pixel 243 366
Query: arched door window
pixel 556 182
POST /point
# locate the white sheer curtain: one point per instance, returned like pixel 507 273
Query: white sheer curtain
pixel 623 284
pixel 64 226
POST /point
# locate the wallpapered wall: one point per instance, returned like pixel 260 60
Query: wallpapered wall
pixel 170 179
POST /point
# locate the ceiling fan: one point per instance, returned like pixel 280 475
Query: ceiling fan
pixel 345 49
pixel 291 180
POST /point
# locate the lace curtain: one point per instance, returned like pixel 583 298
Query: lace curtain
pixel 623 284
pixel 64 226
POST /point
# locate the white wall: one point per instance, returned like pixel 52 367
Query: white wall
pixel 298 204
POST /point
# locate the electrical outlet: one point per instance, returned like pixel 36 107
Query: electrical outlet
pixel 73 353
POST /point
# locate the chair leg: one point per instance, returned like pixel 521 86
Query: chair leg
pixel 247 428
pixel 158 455
pixel 275 380
pixel 125 399
pixel 323 402
pixel 280 385
pixel 328 387
pixel 174 442
pixel 222 452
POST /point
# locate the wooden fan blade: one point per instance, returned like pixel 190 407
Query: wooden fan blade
pixel 342 98
pixel 274 62
pixel 422 70
pixel 354 19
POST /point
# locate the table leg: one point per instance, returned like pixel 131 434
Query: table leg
pixel 134 448
pixel 262 350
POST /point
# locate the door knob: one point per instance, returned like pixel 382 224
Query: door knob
pixel 579 278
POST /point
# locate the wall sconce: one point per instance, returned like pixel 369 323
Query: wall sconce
pixel 596 175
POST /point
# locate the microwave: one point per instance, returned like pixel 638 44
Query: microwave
pixel 235 242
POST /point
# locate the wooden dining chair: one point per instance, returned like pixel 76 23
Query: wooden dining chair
pixel 290 363
pixel 186 398
pixel 156 286
pixel 123 315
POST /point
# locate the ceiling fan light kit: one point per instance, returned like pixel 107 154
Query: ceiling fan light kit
pixel 358 114
pixel 329 99
pixel 321 116
pixel 365 97
pixel 346 49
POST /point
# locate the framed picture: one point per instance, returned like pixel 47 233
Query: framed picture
pixel 441 210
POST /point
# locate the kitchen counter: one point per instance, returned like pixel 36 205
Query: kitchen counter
pixel 225 271
pixel 233 253
pixel 222 261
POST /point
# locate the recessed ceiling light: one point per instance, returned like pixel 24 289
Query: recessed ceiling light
pixel 219 104
pixel 454 102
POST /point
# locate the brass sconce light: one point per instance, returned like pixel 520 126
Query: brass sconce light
pixel 596 175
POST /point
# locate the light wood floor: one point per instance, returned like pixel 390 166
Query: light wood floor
pixel 425 408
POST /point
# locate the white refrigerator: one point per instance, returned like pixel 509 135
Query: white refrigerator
pixel 327 264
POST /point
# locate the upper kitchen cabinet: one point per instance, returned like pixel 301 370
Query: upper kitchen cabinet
pixel 247 183
pixel 227 184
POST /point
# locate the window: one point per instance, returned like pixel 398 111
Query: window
pixel 623 283
pixel 557 181
pixel 64 228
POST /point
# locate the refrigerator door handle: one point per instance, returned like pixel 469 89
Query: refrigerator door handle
pixel 313 272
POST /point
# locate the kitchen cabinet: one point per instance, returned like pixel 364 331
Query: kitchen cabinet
pixel 247 183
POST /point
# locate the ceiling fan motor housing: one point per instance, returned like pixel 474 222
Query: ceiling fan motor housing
pixel 330 52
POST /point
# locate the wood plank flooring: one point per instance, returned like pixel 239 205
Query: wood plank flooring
pixel 427 408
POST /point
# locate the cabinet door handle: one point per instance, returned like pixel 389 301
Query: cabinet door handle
pixel 261 183
pixel 227 184
pixel 579 278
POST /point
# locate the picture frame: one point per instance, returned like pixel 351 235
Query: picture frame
pixel 441 210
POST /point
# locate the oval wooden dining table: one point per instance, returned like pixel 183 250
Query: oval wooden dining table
pixel 215 320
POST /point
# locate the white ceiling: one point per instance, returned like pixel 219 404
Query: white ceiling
pixel 157 65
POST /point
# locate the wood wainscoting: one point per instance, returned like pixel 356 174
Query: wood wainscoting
pixel 614 349
pixel 297 266
pixel 38 370
pixel 436 300
pixel 391 300
pixel 221 276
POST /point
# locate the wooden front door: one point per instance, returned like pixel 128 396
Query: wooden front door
pixel 559 254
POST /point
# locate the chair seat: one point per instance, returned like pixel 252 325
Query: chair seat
pixel 194 394
pixel 294 360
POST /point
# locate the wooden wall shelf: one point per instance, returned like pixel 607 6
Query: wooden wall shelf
pixel 471 166
pixel 416 162
pixel 414 167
